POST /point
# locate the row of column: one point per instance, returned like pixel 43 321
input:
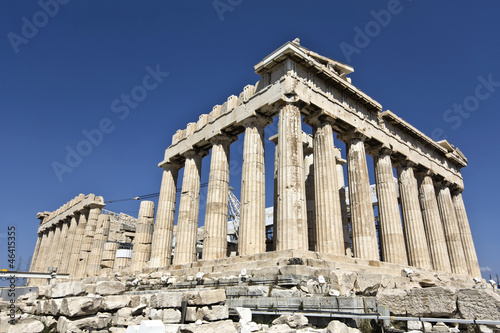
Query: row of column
pixel 81 246
pixel 433 234
pixel 67 245
pixel 252 210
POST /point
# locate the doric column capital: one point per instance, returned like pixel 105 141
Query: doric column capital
pixel 223 139
pixel 42 216
pixel 169 166
pixel 379 150
pixel 257 120
pixel 195 152
pixel 404 162
pixel 84 211
pixel 316 119
pixel 97 205
pixel 352 134
pixel 422 173
pixel 442 184
pixel 456 189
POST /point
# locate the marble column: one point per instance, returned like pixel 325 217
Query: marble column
pixel 108 257
pixel 187 223
pixel 392 242
pixel 38 246
pixel 310 197
pixel 70 235
pixel 141 251
pixel 74 262
pixel 61 256
pixel 86 247
pixel 451 230
pixel 47 246
pixel 161 251
pixel 122 260
pixel 252 229
pixel 215 236
pixel 466 235
pixel 41 252
pixel 292 212
pixel 56 251
pixel 36 253
pixel 364 234
pixel 416 242
pixel 433 225
pixel 343 202
pixel 35 258
pixel 329 232
pixel 101 237
pixel 274 139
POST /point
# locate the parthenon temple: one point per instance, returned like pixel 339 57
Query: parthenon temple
pixel 422 221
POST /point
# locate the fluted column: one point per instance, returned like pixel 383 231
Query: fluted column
pixel 101 237
pixel 466 235
pixel 35 258
pixel 74 261
pixel 416 242
pixel 343 203
pixel 61 256
pixel 47 246
pixel 122 260
pixel 274 139
pixel 86 248
pixel 143 236
pixel 451 230
pixel 187 223
pixel 252 229
pixel 310 198
pixel 41 252
pixel 36 252
pixel 108 256
pixel 68 244
pixel 215 238
pixel 57 247
pixel 433 225
pixel 161 251
pixel 329 232
pixel 292 213
pixel 392 242
pixel 364 234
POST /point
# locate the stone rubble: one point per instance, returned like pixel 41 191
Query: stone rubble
pixel 114 304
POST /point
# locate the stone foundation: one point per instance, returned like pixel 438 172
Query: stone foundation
pixel 289 280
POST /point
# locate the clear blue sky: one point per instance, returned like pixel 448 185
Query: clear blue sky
pixel 69 74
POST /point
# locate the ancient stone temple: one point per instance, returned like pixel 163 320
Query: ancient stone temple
pixel 302 87
pixel 312 213
pixel 330 254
